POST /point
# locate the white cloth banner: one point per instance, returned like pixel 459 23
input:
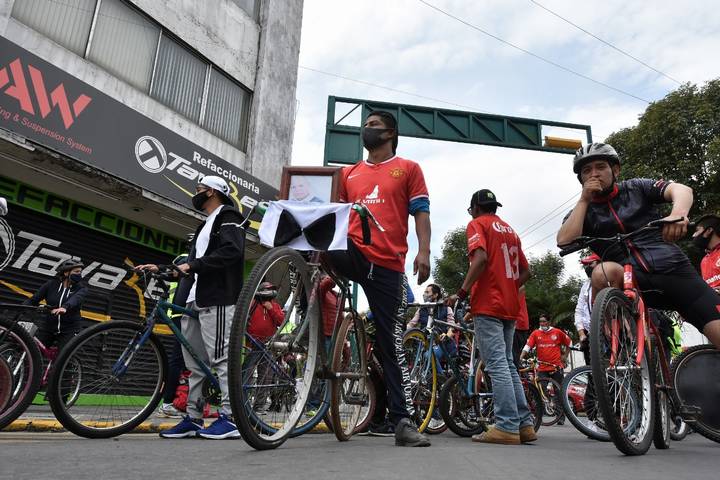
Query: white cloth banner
pixel 305 214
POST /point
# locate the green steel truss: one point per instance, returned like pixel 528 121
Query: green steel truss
pixel 343 144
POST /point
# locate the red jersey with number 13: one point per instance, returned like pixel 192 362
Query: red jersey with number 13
pixel 495 293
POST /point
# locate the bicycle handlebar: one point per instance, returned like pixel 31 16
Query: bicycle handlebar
pixel 583 242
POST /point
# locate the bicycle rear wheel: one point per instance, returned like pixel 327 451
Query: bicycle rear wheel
pixel 423 376
pixel 459 410
pixel 552 401
pixel 350 399
pixel 661 436
pixel 580 404
pixel 120 383
pixel 690 372
pixel 618 378
pixel 270 379
pixel 535 404
pixel 22 365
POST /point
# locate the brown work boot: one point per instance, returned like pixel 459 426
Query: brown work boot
pixel 527 434
pixel 493 435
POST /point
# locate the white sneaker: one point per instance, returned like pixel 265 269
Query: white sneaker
pixel 168 410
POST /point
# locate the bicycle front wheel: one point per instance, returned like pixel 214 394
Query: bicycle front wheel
pixel 580 404
pixel 271 377
pixel 552 401
pixel 460 410
pixel 690 372
pixel 423 376
pixel 20 370
pixel 118 383
pixel 623 386
pixel 350 399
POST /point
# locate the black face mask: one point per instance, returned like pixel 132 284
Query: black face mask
pixel 371 137
pixel 75 277
pixel 701 241
pixel 198 200
pixel 588 270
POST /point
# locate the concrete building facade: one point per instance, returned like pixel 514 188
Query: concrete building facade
pixel 110 111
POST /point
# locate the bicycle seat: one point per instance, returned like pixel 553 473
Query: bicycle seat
pixel 306 227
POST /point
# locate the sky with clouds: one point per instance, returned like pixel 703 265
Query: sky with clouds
pixel 407 45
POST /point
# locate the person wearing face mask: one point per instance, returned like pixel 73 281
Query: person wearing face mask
pixel 583 309
pixel 65 294
pixel 392 188
pixel 552 347
pixel 662 271
pixel 707 239
pixel 215 277
pixel 448 335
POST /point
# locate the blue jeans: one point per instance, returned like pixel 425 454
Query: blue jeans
pixel 495 340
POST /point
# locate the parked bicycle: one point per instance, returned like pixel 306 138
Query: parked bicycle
pixel 637 392
pixel 124 368
pixel 286 363
pixel 549 390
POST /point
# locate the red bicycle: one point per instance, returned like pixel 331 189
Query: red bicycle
pixel 637 392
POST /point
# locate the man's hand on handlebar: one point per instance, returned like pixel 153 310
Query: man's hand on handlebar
pixel 150 267
pixel 677 229
pixel 58 311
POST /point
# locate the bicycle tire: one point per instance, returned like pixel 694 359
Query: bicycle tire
pixel 122 383
pixel 259 431
pixel 6 384
pixel 460 411
pixel 15 337
pixel 661 435
pixel 575 379
pixel 349 358
pixel 320 414
pixel 553 405
pixel 678 429
pixel 611 388
pixel 75 393
pixel 424 390
pixel 535 404
pixel 689 373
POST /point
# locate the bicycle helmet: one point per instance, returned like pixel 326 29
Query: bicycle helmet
pixel 267 290
pixel 69 264
pixel 594 151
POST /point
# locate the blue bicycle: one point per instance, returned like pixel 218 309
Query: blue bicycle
pixel 124 368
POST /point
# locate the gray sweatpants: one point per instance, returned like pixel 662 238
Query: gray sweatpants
pixel 208 336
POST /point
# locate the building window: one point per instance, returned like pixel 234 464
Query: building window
pixel 124 43
pixel 179 80
pixel 227 110
pixel 135 49
pixel 67 22
pixel 251 7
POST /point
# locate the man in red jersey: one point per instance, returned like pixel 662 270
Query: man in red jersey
pixel 707 238
pixel 498 268
pixel 392 188
pixel 551 346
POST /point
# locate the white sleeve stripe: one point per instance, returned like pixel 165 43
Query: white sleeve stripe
pixel 231 224
pixel 419 196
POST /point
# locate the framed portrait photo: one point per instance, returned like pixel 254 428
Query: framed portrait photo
pixel 310 184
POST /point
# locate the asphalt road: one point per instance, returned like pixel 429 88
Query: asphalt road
pixel 560 453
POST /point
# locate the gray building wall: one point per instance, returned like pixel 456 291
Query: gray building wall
pixel 230 38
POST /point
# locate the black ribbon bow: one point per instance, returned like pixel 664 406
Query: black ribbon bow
pixel 319 233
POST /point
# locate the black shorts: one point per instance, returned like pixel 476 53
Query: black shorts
pixel 682 290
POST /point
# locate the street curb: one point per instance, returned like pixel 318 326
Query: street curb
pixel 43 425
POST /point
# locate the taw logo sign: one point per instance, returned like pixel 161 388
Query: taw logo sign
pixel 14 83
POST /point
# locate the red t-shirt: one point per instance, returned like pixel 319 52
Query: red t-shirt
pixel 264 323
pixel 710 268
pixel 523 321
pixel 547 345
pixel 386 189
pixel 495 293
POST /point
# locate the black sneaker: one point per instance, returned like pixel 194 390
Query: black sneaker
pixel 406 435
pixel 385 429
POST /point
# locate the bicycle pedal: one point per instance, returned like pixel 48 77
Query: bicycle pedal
pixel 689 413
pixel 356 399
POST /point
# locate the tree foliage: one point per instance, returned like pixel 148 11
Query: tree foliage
pixel 452 265
pixel 678 138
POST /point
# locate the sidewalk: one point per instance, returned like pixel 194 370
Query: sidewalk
pixel 39 418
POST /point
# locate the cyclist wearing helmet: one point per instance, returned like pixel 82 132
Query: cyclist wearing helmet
pixel 65 293
pixel 265 312
pixel 662 271
pixel 707 238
